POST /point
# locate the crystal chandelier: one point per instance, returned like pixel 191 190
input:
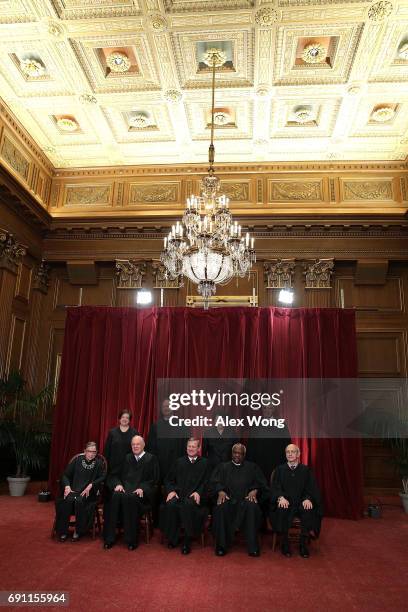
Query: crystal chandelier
pixel 207 246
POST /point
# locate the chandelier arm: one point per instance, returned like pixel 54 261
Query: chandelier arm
pixel 211 150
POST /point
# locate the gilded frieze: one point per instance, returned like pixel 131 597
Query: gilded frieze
pixel 367 190
pixel 285 191
pixel 15 159
pixel 91 195
pixel 151 193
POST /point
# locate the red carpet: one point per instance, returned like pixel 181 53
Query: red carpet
pixel 360 566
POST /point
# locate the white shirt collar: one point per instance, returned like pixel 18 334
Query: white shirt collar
pixel 137 457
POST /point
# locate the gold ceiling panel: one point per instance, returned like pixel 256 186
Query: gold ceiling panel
pixel 122 82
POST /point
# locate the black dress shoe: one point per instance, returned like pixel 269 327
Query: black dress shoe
pixel 107 545
pixel 254 553
pixel 285 549
pixel 220 552
pixel 185 549
pixel 63 538
pixel 304 551
pixel 132 547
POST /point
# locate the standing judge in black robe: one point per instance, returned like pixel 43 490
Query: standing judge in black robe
pixel 81 481
pixel 239 485
pixel 133 492
pixel 118 445
pixel 186 488
pixel 295 493
pixel 162 443
pixel 266 445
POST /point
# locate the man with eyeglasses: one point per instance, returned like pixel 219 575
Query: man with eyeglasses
pixel 81 482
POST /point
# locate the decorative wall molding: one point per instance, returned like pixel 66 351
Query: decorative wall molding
pixel 318 273
pixel 11 252
pixel 91 195
pixel 368 190
pixel 279 273
pixel 161 280
pixel 15 159
pixel 153 193
pixel 305 191
pixel 129 273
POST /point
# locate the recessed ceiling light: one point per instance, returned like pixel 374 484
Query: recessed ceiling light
pixel 383 114
pixel 67 124
pixel 118 62
pixel 32 67
pixel 314 53
pixel 303 114
pixel 403 51
pixel 139 120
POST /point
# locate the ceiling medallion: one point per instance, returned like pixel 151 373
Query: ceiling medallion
pixel 314 53
pixel 380 10
pixel 383 114
pixel 66 124
pixel 214 57
pixel 303 114
pixel 265 17
pixel 139 120
pixel 221 116
pixel 403 51
pixel 207 246
pixel 173 95
pixel 118 62
pixel 158 22
pixel 32 67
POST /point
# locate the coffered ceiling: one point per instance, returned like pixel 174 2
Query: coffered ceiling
pixel 122 82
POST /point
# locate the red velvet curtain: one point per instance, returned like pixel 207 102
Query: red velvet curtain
pixel 113 356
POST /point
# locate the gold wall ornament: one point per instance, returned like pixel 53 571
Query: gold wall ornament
pixel 162 278
pixel 286 191
pixel 367 190
pixel 314 53
pixel 318 273
pixel 150 193
pixel 15 159
pixel 236 192
pixel 32 68
pixel 129 273
pixel 266 16
pixel 118 62
pixel 158 22
pixel 279 273
pixel 11 251
pixel 89 196
pixel 380 10
pixel 41 280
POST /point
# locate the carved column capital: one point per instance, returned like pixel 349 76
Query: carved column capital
pixel 318 273
pixel 41 280
pixel 279 273
pixel 11 252
pixel 129 273
pixel 162 279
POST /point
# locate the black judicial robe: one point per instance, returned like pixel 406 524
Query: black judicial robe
pixel 142 474
pixel 162 443
pixel 185 478
pixel 265 451
pixel 237 512
pixel 217 448
pixel 78 475
pixel 296 486
pixel 117 446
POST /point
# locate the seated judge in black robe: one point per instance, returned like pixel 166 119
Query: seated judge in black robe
pixel 80 482
pixel 133 492
pixel 162 443
pixel 218 442
pixel 186 488
pixel 266 445
pixel 238 485
pixel 118 445
pixel 294 492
